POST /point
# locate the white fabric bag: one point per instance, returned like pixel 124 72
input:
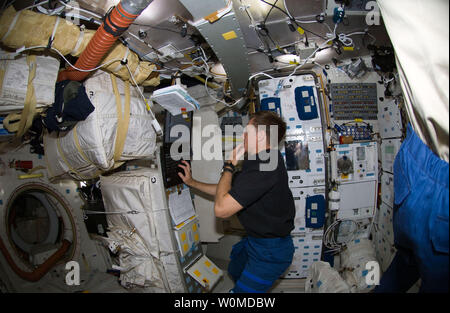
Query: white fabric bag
pixel 354 261
pixel 322 278
pixel 14 81
pixel 142 237
pixel 119 129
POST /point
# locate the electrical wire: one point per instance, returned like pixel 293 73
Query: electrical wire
pixel 96 68
pixel 299 22
pixel 267 34
pixel 54 11
pixel 287 10
pixel 264 43
pixel 6 4
pixel 140 92
pixel 252 20
pixel 328 26
pixel 146 58
pixel 80 9
pixel 205 59
pixel 254 26
pixel 99 22
pixel 207 91
pixel 68 62
pixel 306 60
pixel 273 5
pixel 292 19
pixel 267 15
pixel 290 65
pixel 328 241
pixel 260 73
pixel 35 5
pixel 129 32
pixel 106 213
pixel 329 235
pixel 370 35
pixel 207 70
pixel 345 38
pixel 100 18
pixel 295 20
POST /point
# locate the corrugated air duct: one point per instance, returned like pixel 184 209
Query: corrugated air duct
pixel 31 29
pixel 116 21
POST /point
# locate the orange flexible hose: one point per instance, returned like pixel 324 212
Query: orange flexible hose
pixel 39 272
pixel 99 44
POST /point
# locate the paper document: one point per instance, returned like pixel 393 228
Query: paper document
pixel 180 206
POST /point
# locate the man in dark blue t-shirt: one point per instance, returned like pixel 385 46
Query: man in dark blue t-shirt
pixel 261 197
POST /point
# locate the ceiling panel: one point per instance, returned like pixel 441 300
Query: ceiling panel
pixel 160 30
pixel 157 11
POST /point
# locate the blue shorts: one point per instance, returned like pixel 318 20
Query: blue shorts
pixel 421 212
pixel 256 263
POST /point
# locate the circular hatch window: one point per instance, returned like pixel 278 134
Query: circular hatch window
pixel 38 219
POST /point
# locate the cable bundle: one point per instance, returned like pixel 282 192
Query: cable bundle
pixel 329 238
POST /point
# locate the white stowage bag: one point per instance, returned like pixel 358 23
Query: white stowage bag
pixel 142 238
pixel 89 148
pixel 137 265
pixel 423 72
pixel 354 260
pixel 14 81
pixel 322 278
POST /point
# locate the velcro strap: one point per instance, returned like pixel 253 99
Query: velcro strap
pixel 29 108
pixel 123 119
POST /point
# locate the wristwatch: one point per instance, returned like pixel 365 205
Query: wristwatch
pixel 228 167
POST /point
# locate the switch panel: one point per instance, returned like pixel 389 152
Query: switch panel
pixel 296 100
pixel 354 100
pixel 356 162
